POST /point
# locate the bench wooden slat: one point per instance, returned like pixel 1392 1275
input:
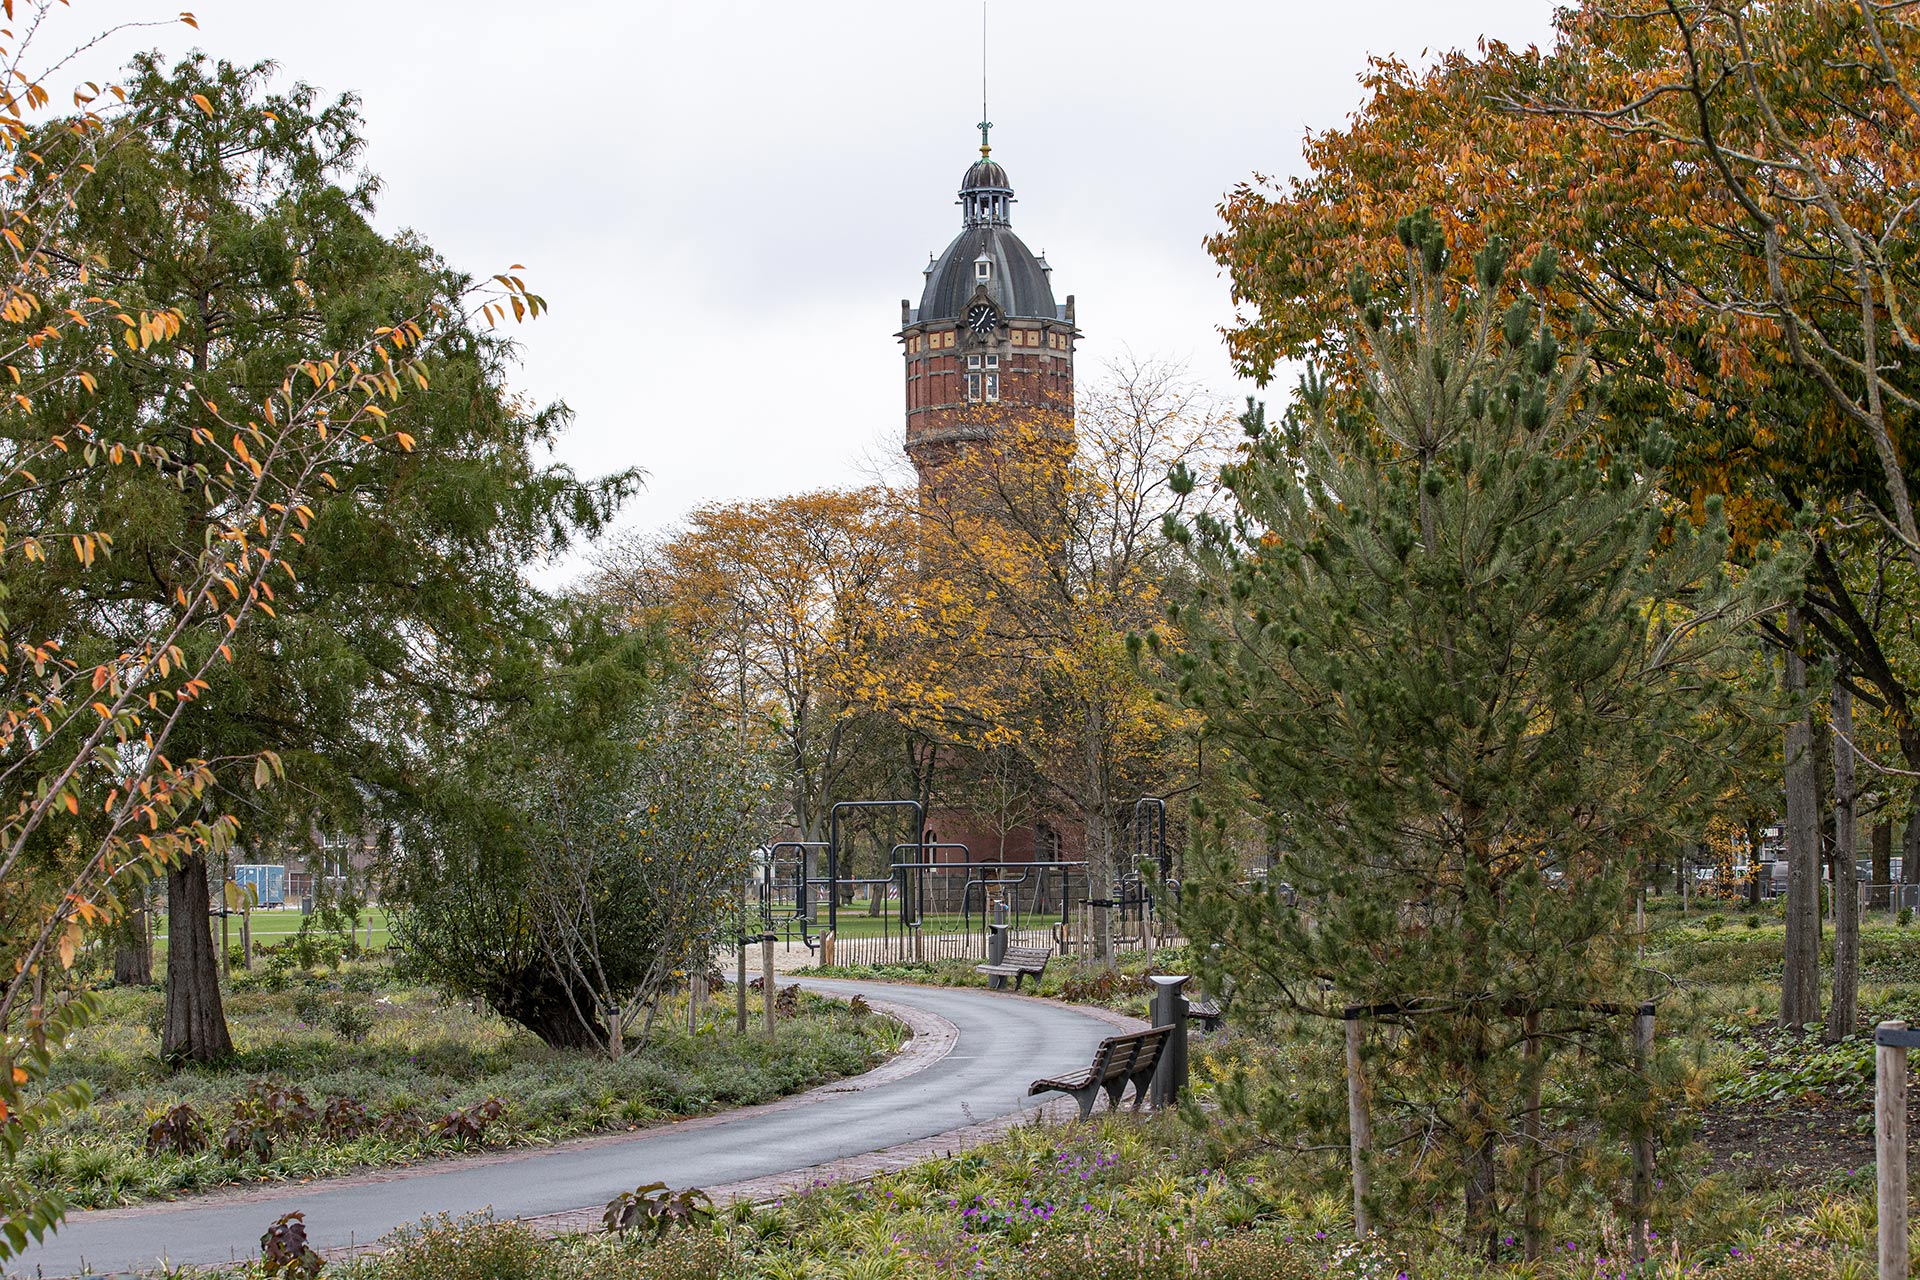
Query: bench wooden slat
pixel 1019 963
pixel 1119 1061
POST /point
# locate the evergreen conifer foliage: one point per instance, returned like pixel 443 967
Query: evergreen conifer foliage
pixel 1468 659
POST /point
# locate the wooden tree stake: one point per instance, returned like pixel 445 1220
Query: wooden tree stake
pixel 1890 1144
pixel 1359 1128
pixel 766 979
pixel 1642 1136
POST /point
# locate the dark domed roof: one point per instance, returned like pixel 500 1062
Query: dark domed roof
pixel 1017 282
pixel 985 175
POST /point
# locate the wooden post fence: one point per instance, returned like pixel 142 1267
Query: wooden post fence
pixel 1891 1040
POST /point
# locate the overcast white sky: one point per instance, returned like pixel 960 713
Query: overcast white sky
pixel 724 202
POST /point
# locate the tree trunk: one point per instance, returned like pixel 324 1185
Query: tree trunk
pixel 196 1023
pixel 1100 834
pixel 1844 1012
pixel 1882 864
pixel 1800 981
pixel 1482 1198
pixel 537 1001
pixel 133 948
pixel 1100 885
pixel 1822 733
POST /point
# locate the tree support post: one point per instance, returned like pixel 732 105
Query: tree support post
pixel 1170 1010
pixel 1642 1136
pixel 1066 917
pixel 1532 1236
pixel 740 987
pixel 1891 1040
pixel 766 978
pixel 1359 1126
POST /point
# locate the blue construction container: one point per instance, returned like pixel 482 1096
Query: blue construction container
pixel 269 881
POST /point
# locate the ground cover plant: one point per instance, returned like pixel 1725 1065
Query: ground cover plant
pixel 355 1067
pixel 1158 1199
pixel 1768 1169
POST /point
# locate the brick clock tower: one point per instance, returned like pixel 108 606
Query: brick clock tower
pixel 987 340
pixel 987 346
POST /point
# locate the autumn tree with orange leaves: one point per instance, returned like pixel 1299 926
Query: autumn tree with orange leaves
pixel 1729 187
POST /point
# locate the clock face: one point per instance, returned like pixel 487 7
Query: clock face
pixel 981 317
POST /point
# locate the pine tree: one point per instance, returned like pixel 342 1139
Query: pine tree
pixel 1469 661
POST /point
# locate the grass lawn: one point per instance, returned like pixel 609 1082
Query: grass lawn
pixel 271 925
pixel 379 1065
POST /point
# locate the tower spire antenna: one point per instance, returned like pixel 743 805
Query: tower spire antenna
pixel 986 125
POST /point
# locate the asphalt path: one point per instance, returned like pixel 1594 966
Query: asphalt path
pixel 1003 1043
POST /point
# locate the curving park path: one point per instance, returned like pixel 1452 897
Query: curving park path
pixel 968 1064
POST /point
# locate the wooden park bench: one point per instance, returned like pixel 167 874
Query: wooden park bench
pixel 1019 964
pixel 1210 1011
pixel 1118 1062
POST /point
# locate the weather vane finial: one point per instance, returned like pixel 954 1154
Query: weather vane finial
pixel 986 145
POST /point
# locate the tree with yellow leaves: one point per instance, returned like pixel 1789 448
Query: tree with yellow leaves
pixel 1042 551
pixel 789 614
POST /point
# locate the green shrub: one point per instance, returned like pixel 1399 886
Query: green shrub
pixel 474 1247
pixel 310 1006
pixel 1713 922
pixel 1905 918
pixel 351 1022
pixel 1753 920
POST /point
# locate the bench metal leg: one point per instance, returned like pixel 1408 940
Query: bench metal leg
pixel 1114 1091
pixel 1086 1097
